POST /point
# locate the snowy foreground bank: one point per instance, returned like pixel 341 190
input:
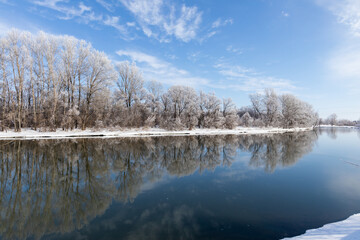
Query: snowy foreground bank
pixel 348 229
pixel 31 134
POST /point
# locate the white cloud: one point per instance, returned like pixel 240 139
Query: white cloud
pixel 346 63
pixel 215 27
pixel 285 14
pixel 194 56
pixel 162 71
pixel 4 29
pixel 68 12
pixel 85 14
pixel 210 34
pixel 114 22
pixel 343 63
pixel 346 11
pixel 141 57
pixel 220 23
pixel 344 68
pixel 162 20
pixel 157 19
pixel 8 2
pixel 131 24
pixel 231 49
pixel 247 79
pixel 108 5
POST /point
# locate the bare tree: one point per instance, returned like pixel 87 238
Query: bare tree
pixel 183 105
pixel 5 89
pixel 101 75
pixel 211 115
pixel 246 120
pixel 130 82
pixel 153 102
pixel 332 119
pixel 229 113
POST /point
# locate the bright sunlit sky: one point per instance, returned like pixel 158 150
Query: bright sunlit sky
pixel 310 48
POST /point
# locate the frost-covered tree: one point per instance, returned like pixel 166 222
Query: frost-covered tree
pixel 229 113
pixel 18 54
pixel 272 107
pixel 296 113
pixel 332 119
pixel 130 82
pixel 101 76
pixel 284 110
pixel 45 76
pixel 210 111
pixel 4 83
pixel 267 107
pixel 183 107
pixel 153 102
pixel 246 120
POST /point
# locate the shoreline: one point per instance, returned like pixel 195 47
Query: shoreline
pixel 140 132
pixel 345 229
pixel 334 126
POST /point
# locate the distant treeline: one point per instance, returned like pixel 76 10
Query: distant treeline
pixel 50 82
pixel 334 121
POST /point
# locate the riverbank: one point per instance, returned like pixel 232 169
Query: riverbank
pixel 335 126
pixel 138 132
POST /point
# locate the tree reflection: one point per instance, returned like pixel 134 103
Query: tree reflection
pixel 57 186
pixel 332 132
pixel 275 151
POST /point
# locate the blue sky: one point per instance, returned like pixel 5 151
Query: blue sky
pixel 310 48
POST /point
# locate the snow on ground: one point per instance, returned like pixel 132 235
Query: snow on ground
pixel 334 126
pixel 150 132
pixel 349 229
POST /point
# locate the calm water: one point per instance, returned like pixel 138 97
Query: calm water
pixel 218 187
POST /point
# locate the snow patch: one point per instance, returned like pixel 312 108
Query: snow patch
pixel 152 132
pixel 335 126
pixel 348 229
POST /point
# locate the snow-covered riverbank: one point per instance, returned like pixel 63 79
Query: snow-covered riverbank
pixel 335 126
pixel 348 229
pixel 106 133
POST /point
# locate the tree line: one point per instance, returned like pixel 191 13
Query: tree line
pixel 333 120
pixel 50 82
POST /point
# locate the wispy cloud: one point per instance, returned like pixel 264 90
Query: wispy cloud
pixel 4 29
pixel 220 23
pixel 85 14
pixel 7 2
pixel 343 62
pixel 232 49
pixel 215 28
pixel 346 11
pixel 285 14
pixel 162 20
pixel 107 4
pixel 68 12
pixel 194 56
pixel 114 22
pixel 157 19
pixel 248 79
pixel 343 66
pixel 162 71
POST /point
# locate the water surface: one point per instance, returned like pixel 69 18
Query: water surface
pixel 196 187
